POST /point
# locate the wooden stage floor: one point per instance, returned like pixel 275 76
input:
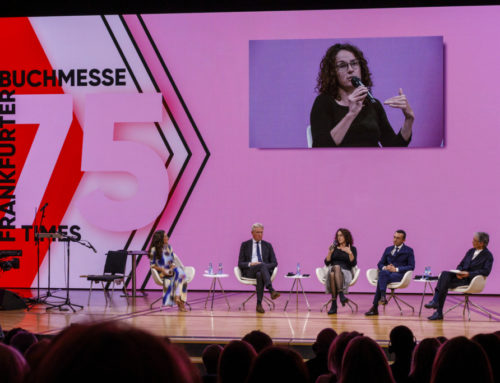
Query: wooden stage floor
pixel 295 326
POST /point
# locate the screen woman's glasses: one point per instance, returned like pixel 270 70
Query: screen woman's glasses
pixel 342 65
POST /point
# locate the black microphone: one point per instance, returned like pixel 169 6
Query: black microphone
pixel 356 81
pixel 44 206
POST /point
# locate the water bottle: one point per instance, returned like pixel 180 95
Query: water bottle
pixel 220 268
pixel 210 269
pixel 427 272
pixel 298 268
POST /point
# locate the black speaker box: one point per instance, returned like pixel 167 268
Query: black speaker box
pixel 11 301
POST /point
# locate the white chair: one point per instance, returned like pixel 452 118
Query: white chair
pixel 475 287
pixel 165 282
pixel 309 137
pixel 372 276
pixel 322 274
pixel 253 282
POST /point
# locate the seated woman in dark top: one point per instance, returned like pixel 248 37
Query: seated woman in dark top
pixel 341 258
pixel 342 116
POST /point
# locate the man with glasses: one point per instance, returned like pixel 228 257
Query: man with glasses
pixel 257 260
pixel 393 265
pixel 477 261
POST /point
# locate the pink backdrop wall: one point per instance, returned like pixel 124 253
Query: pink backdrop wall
pixel 439 196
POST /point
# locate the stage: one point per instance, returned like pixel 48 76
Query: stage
pixel 294 327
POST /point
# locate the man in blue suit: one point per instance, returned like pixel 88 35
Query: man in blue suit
pixel 393 265
pixel 477 261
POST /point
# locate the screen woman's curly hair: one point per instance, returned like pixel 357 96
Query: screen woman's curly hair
pixel 327 81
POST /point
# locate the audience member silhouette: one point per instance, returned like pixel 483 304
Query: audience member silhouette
pixel 13 367
pixel 114 353
pixel 319 364
pixel 402 343
pixel 442 339
pixel 235 362
pixel 10 334
pixel 23 340
pixel 461 360
pixel 364 361
pixel 335 355
pixel 210 357
pixel 278 364
pixel 491 346
pixel 423 358
pixel 258 339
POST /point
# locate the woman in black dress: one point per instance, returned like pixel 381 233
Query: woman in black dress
pixel 343 116
pixel 341 258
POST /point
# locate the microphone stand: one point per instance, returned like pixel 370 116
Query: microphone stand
pixel 67 301
pixel 36 300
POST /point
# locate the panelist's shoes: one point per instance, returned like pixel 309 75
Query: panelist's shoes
pixel 383 301
pixel 343 299
pixel 275 294
pixel 260 309
pixel 431 305
pixel 436 316
pixel 333 308
pixel 373 311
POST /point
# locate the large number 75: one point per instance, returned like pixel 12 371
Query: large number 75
pixel 100 153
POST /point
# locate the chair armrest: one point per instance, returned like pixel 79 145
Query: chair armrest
pixel 372 276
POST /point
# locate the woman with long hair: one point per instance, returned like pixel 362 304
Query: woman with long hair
pixel 341 258
pixel 168 265
pixel 344 113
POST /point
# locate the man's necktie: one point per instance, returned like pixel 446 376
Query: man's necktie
pixel 259 257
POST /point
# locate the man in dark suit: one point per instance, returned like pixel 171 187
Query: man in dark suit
pixel 477 261
pixel 393 265
pixel 257 260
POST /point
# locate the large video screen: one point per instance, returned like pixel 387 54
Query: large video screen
pixel 113 127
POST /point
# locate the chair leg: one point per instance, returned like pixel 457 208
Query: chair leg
pixel 349 302
pixel 481 308
pixel 188 305
pixel 326 304
pixel 90 292
pixel 397 300
pixel 242 306
pixel 269 302
pixel 455 306
pixel 152 304
pixel 105 292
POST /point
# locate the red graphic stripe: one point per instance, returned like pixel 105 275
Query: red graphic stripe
pixel 23 51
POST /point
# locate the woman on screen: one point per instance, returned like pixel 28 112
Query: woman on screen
pixel 168 265
pixel 341 258
pixel 344 113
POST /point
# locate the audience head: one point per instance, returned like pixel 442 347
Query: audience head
pixel 323 341
pixel 36 352
pixel 423 358
pixel 461 360
pixel 442 339
pixel 10 334
pixel 235 362
pixel 364 361
pixel 337 348
pixel 115 352
pixel 258 339
pixel 23 340
pixel 278 364
pixel 402 341
pixel 13 367
pixel 210 358
pixel 491 346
